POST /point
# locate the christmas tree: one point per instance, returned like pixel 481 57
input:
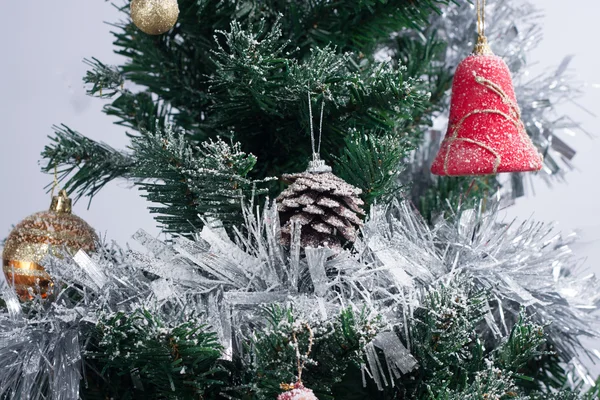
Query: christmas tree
pixel 285 149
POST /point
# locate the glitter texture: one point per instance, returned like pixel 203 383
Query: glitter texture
pixel 299 392
pixel 37 236
pixel 326 208
pixel 485 133
pixel 154 17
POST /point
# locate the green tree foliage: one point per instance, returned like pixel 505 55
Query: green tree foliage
pixel 446 193
pixel 453 361
pixel 372 162
pixel 136 356
pixel 190 182
pixel 243 70
pixel 337 346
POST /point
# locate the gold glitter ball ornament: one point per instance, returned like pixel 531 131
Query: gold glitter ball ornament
pixel 42 233
pixel 154 17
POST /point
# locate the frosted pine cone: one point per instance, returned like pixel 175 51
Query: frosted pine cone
pixel 299 392
pixel 326 207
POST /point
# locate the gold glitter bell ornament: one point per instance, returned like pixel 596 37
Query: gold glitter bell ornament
pixel 154 17
pixel 42 233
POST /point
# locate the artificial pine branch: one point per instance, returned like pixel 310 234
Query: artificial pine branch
pixel 361 25
pixel 444 339
pixel 443 194
pixel 338 345
pixel 259 92
pixel 136 356
pixel 422 56
pixel 106 80
pixel 192 183
pixel 522 344
pixel 453 362
pixel 372 162
pixel 139 111
pixel 254 80
pixel 84 164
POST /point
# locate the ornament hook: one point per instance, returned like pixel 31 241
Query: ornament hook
pixel 481 47
pixel 481 17
pixel 301 363
pixel 61 204
pixel 55 183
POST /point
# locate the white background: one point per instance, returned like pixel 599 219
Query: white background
pixel 40 74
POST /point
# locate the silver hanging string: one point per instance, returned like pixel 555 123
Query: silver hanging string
pixel 315 156
pixel 481 47
pixel 316 165
pixel 321 127
pixel 481 17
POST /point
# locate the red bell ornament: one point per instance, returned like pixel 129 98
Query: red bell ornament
pixel 485 132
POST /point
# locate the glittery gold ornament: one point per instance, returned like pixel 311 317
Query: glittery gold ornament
pixel 42 233
pixel 154 17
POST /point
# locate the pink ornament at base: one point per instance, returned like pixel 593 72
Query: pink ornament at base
pixel 299 392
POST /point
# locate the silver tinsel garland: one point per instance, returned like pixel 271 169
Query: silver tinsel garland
pixel 226 282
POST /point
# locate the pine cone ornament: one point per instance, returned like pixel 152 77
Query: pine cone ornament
pixel 327 208
pixel 297 392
